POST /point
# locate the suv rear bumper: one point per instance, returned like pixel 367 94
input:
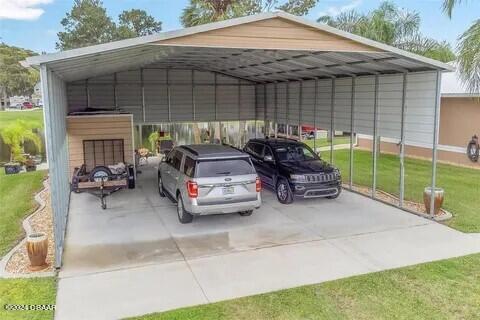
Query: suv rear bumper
pixel 199 210
pixel 320 190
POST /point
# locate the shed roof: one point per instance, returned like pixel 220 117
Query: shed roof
pixel 272 46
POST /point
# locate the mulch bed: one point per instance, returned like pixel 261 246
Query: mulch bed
pixel 40 221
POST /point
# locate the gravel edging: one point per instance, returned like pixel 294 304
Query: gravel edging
pixel 415 208
pixel 19 251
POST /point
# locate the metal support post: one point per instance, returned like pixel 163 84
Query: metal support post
pixel 87 93
pixel 275 116
pixel 435 142
pixel 352 128
pixel 115 100
pixel 287 107
pixel 315 104
pixel 402 143
pixel 169 97
pixel 142 85
pixel 375 139
pixel 332 122
pixel 194 111
pixel 255 92
pixel 215 94
pixel 266 131
pixel 300 111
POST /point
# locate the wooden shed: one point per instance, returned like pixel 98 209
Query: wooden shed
pixel 101 139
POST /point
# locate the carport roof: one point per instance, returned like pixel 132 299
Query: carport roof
pixel 266 47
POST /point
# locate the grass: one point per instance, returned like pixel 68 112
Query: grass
pixel 324 142
pixel 462 185
pixel 7 117
pixel 448 289
pixel 16 202
pixel 32 291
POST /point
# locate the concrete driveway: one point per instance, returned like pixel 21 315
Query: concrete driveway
pixel 136 258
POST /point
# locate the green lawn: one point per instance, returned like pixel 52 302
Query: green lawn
pixel 462 185
pixel 323 142
pixel 448 289
pixel 33 291
pixel 16 202
pixel 7 117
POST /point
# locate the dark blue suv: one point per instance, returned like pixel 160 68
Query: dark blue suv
pixel 293 169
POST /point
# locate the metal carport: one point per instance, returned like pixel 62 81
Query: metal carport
pixel 272 67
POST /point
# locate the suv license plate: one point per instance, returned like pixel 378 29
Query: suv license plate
pixel 228 190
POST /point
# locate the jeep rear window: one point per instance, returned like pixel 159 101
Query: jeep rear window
pixel 224 167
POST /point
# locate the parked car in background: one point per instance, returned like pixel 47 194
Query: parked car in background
pixel 309 135
pixel 27 105
pixel 209 179
pixel 292 169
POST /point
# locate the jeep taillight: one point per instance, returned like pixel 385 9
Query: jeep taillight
pixel 258 185
pixel 192 189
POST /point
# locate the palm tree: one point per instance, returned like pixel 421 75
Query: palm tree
pixel 393 26
pixel 204 11
pixel 468 60
pixel 15 135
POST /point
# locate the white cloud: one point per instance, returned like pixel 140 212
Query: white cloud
pixel 336 10
pixel 21 9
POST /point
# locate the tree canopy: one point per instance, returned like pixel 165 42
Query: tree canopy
pixel 204 11
pixel 393 26
pixel 468 60
pixel 135 22
pixel 88 24
pixel 15 79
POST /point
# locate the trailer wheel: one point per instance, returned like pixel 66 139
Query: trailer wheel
pixel 100 173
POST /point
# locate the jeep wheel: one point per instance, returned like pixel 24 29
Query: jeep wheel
pixel 284 194
pixel 183 215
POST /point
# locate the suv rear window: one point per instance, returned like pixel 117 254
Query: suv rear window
pixel 224 167
pixel 189 167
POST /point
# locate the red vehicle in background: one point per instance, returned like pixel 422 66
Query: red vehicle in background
pixel 27 105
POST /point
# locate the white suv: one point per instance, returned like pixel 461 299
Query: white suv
pixel 209 179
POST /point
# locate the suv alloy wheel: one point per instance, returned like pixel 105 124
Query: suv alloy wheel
pixel 161 192
pixel 183 215
pixel 284 194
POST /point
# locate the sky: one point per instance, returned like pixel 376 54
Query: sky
pixel 33 24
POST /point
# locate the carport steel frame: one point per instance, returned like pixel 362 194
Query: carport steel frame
pixel 376 138
pixel 58 69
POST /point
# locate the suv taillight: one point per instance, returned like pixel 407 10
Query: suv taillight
pixel 192 189
pixel 258 185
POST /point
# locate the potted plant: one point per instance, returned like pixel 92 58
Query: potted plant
pixel 438 195
pixel 30 164
pixel 37 249
pixel 14 136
